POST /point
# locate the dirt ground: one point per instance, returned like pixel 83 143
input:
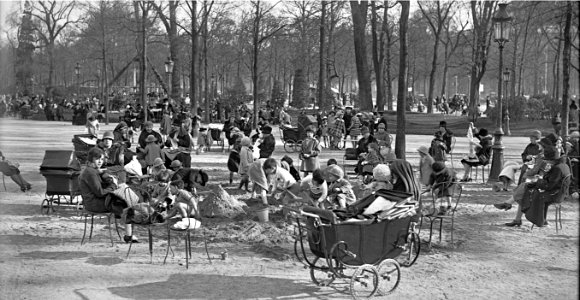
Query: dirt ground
pixel 42 256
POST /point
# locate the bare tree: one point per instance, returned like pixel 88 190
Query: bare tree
pixel 53 17
pixel 437 17
pixel 378 52
pixel 566 55
pixel 450 42
pixel 322 63
pixel 402 84
pixel 169 21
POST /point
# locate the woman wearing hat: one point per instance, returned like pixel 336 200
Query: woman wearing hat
pixel 114 155
pixel 532 150
pixel 483 153
pixel 178 145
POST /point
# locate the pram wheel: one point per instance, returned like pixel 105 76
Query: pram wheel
pixel 412 250
pixel 320 273
pixel 289 146
pixel 46 206
pixel 390 275
pixel 364 282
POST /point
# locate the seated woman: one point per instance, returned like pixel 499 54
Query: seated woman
pixel 178 145
pixel 383 138
pixel 535 204
pixel 114 155
pixel 121 134
pixel 368 161
pixel 95 191
pixel 483 153
pixel 441 174
pixel 11 169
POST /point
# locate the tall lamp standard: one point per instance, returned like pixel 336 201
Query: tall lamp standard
pixel 501 21
pixel 168 72
pixel 78 73
pixel 506 79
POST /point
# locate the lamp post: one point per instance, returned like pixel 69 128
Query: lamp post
pixel 212 96
pixel 168 72
pixel 506 79
pixel 78 73
pixel 501 21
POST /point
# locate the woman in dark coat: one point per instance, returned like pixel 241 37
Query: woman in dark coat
pixel 95 191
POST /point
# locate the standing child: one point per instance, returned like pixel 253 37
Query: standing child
pixel 438 147
pixel 93 126
pixel 152 151
pixel 442 174
pixel 339 190
pixel 425 165
pixel 324 132
pixel 246 159
pixel 309 153
pixel 165 125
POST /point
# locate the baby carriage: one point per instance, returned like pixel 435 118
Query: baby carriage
pixel 369 246
pixel 82 144
pixel 61 170
pixel 291 138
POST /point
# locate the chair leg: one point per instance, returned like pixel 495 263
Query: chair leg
pixel 150 244
pixel 430 232
pixel 4 182
pixel 92 222
pixel 109 225
pixel 440 228
pixel 186 251
pixel 84 231
pixel 168 244
pixel 420 224
pixel 129 251
pixel 452 225
pixel 117 229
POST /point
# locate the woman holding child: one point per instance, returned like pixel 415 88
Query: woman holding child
pixel 95 190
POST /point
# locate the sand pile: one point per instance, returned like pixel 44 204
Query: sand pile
pixel 218 203
pixel 249 231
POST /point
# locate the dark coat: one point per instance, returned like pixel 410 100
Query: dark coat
pixel 143 137
pixel 92 190
pixel 531 149
pixel 363 144
pixel 267 146
pixel 535 202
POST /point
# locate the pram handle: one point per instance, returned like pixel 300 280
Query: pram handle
pixel 310 215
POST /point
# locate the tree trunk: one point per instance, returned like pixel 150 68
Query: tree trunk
pixel 556 70
pixel 523 54
pixel 256 48
pixel 388 57
pixel 205 77
pixel 566 71
pixel 174 50
pixel 143 64
pixel 192 76
pixel 359 17
pixel 445 70
pixel 322 70
pixel 377 52
pixel 402 91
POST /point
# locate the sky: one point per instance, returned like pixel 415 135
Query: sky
pixel 6 7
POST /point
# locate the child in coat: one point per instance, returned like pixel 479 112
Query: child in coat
pixel 246 159
pixel 440 175
pixel 438 147
pixel 152 151
pixel 309 153
pixel 339 190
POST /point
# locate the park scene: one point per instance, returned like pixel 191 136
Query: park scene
pixel 289 149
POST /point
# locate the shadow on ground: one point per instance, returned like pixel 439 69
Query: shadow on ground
pixel 231 287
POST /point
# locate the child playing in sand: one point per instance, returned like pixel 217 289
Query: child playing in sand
pixel 290 167
pixel 315 188
pixel 268 177
pixel 381 180
pixel 246 159
pixel 339 190
pixel 160 193
pixel 185 203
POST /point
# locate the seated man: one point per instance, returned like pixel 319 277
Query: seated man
pixel 11 169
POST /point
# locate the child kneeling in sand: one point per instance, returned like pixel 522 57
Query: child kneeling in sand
pixel 381 180
pixel 339 190
pixel 185 204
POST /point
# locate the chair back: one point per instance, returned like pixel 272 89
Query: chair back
pixel 453 140
pixel 564 189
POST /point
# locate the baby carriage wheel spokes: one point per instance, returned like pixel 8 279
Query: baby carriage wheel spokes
pixel 390 275
pixel 412 250
pixel 289 146
pixel 320 273
pixel 364 282
pixel 46 206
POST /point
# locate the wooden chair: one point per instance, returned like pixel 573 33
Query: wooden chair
pixel 456 191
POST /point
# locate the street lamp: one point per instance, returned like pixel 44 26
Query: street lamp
pixel 78 73
pixel 168 72
pixel 501 22
pixel 506 78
